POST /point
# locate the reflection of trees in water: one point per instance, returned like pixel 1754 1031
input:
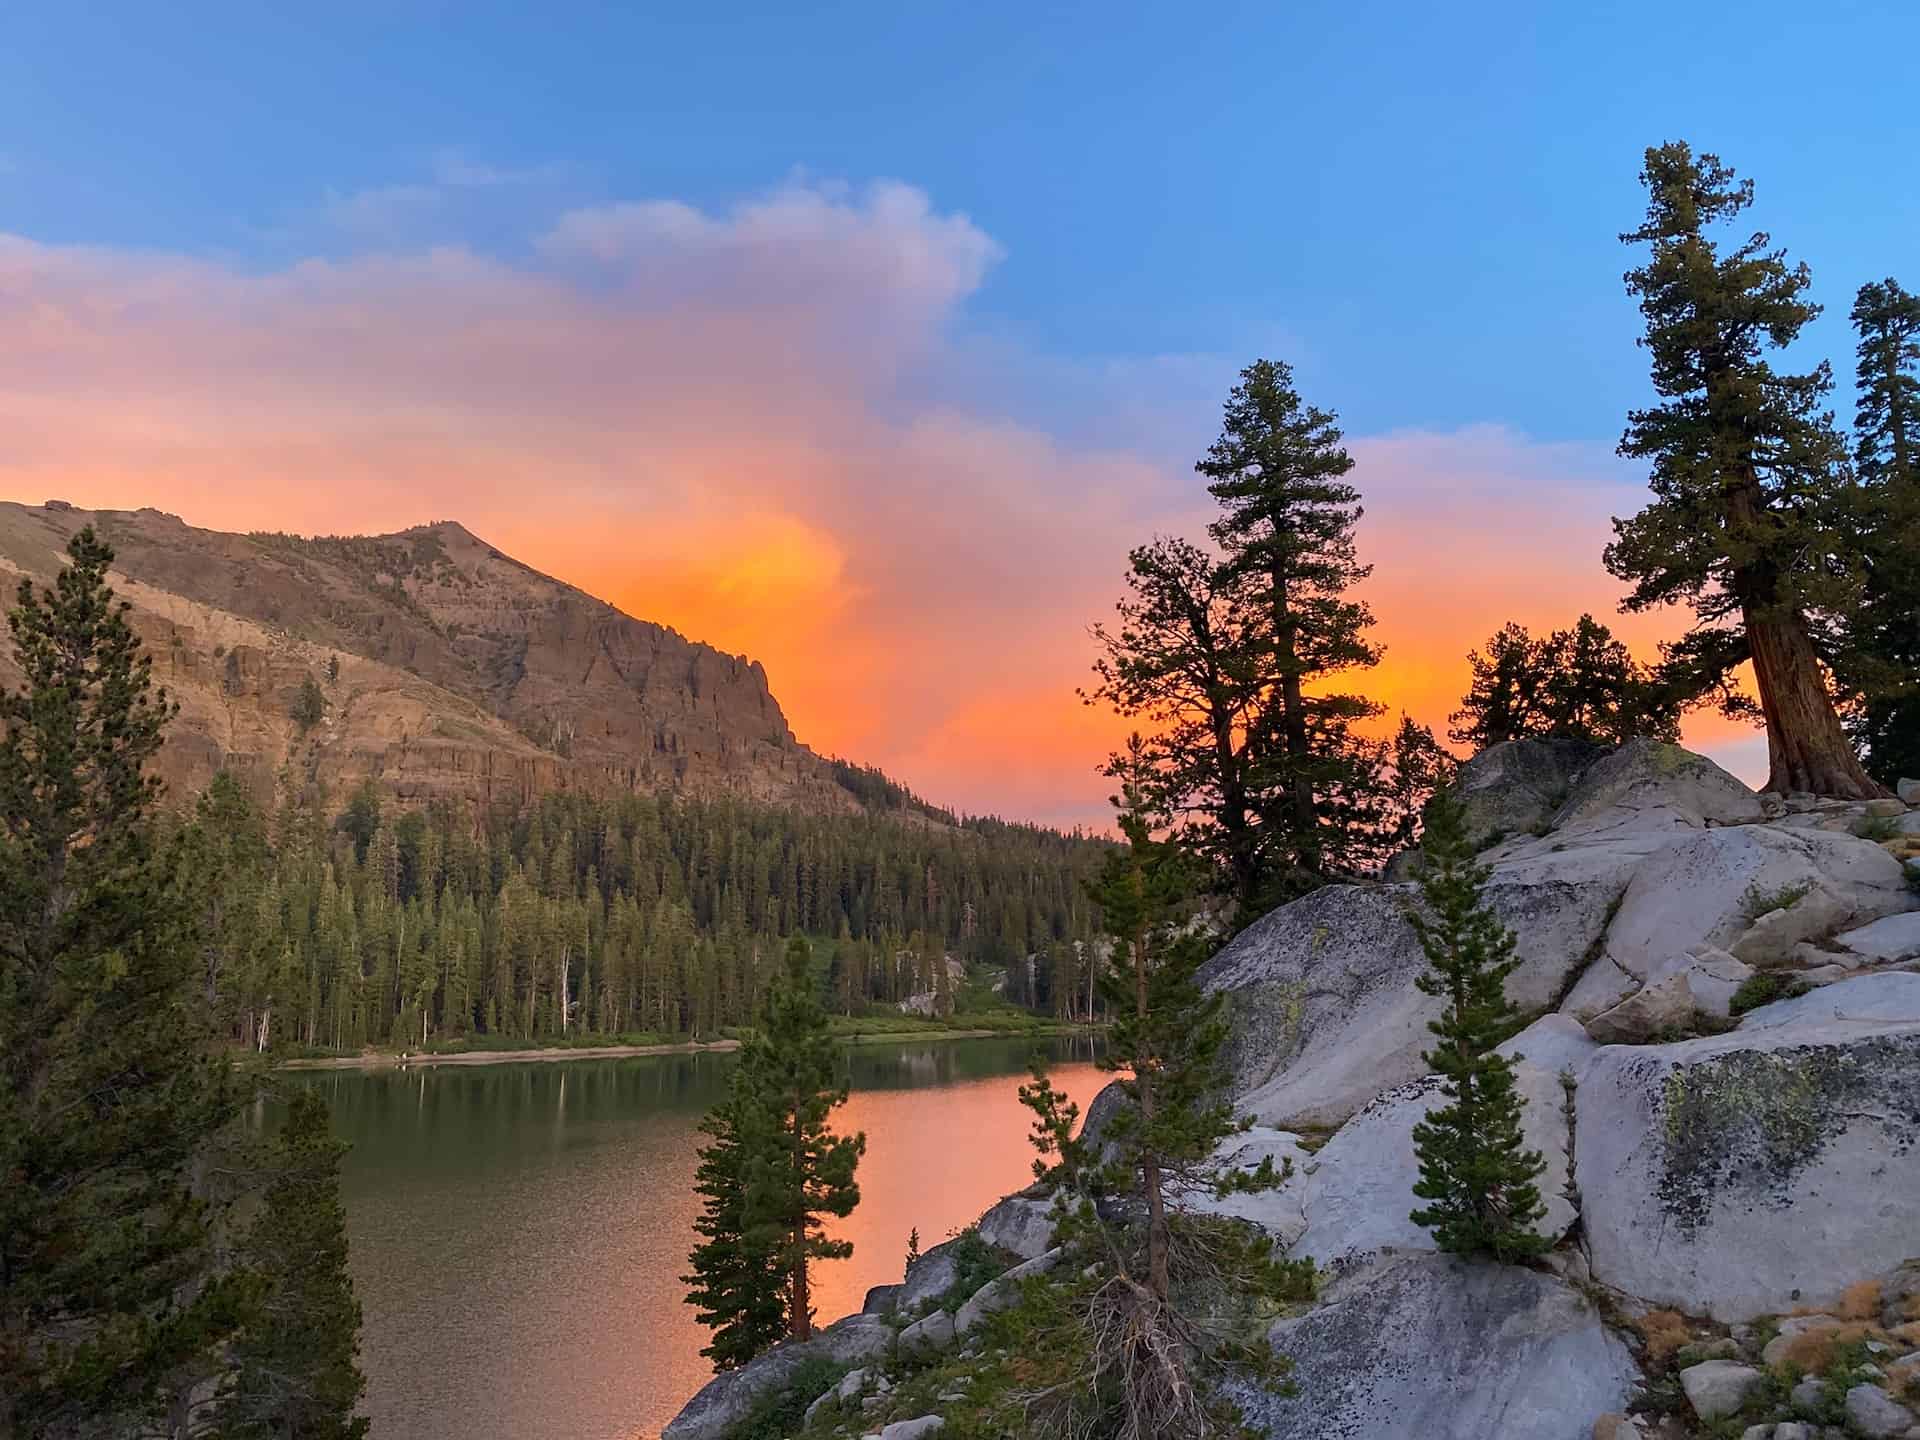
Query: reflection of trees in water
pixel 456 1111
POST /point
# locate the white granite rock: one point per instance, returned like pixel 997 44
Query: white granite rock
pixel 1700 1164
pixel 1424 1346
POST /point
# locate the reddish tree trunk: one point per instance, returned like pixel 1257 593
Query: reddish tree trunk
pixel 800 1319
pixel 1806 748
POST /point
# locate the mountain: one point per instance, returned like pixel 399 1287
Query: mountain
pixel 448 670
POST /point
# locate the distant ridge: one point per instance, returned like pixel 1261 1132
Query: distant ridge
pixel 447 668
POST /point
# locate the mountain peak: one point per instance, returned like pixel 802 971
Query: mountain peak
pixel 450 669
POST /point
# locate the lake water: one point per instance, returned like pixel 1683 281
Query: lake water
pixel 519 1231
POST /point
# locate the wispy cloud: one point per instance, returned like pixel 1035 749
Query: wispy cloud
pixel 384 213
pixel 449 194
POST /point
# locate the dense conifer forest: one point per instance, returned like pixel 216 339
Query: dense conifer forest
pixel 339 927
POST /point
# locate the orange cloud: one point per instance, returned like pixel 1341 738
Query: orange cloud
pixel 735 424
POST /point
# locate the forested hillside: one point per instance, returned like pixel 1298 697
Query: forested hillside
pixel 610 916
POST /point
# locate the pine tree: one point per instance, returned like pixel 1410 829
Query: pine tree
pixel 736 1287
pixel 1165 1148
pixel 1417 766
pixel 310 706
pixel 1594 690
pixel 109 1092
pixel 798 1173
pixel 1879 653
pixel 1286 527
pixel 1475 1170
pixel 1502 699
pixel 1187 658
pixel 1746 474
pixel 297 1373
pixel 1578 684
pixel 1233 660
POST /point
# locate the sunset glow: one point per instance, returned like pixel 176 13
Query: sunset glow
pixel 701 418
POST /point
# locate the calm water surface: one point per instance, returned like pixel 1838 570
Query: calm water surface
pixel 519 1231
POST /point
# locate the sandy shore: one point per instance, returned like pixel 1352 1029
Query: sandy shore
pixel 386 1060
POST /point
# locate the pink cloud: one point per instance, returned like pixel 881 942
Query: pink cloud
pixel 699 416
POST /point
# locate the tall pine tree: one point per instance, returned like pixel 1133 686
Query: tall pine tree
pixel 1174 1303
pixel 1233 660
pixel 1747 469
pixel 1188 659
pixel 797 1172
pixel 109 1090
pixel 735 1286
pixel 296 1371
pixel 1879 656
pixel 1476 1173
pixel 1286 527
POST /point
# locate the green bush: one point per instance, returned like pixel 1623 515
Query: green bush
pixel 1764 989
pixel 1764 902
pixel 975 1263
pixel 780 1414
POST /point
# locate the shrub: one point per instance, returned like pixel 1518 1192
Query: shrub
pixel 1764 902
pixel 310 706
pixel 1876 828
pixel 780 1414
pixel 975 1263
pixel 1763 989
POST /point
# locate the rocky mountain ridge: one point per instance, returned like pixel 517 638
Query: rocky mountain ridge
pixel 1723 1076
pixel 447 669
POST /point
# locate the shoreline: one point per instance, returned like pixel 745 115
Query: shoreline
pixel 388 1060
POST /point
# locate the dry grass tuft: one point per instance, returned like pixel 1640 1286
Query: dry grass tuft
pixel 1811 1351
pixel 1860 1302
pixel 1666 1333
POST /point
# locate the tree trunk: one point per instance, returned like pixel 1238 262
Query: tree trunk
pixel 800 1321
pixel 1242 857
pixel 1293 733
pixel 1157 1268
pixel 1806 748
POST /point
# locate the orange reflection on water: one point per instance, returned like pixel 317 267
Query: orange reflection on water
pixel 934 1162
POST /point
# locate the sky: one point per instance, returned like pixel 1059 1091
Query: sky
pixel 867 339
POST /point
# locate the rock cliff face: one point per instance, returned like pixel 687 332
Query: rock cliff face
pixel 1722 1075
pixel 447 668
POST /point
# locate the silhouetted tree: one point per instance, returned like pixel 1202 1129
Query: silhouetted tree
pixel 1417 766
pixel 1188 658
pixel 1286 529
pixel 1252 755
pixel 1577 684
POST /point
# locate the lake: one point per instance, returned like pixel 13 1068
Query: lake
pixel 519 1231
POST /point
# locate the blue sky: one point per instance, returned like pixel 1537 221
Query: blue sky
pixel 347 212
pixel 1416 202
